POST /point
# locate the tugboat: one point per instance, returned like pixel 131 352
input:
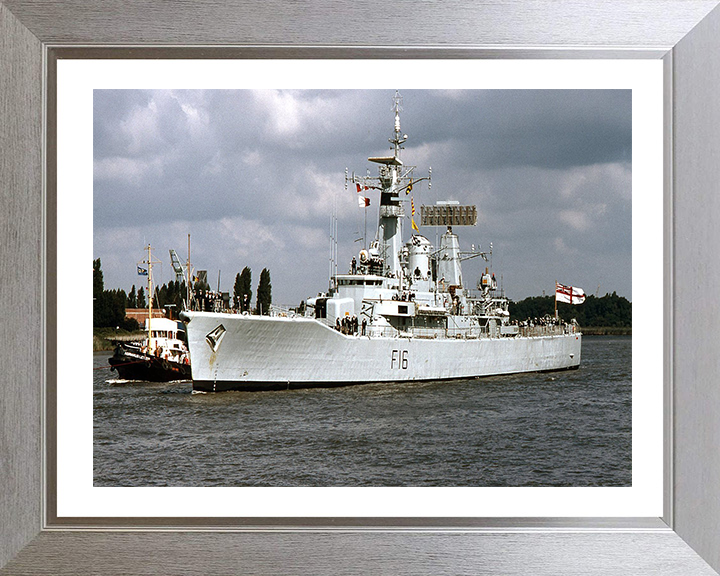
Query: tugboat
pixel 163 356
pixel 403 312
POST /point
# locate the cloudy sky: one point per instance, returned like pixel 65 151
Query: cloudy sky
pixel 253 175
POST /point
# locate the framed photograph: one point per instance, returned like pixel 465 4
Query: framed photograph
pixel 69 510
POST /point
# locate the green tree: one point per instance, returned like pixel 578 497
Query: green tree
pixel 98 300
pixel 177 294
pixel 141 303
pixel 102 300
pixel 533 307
pixel 132 298
pixel 172 293
pixel 181 295
pixel 109 305
pixel 264 293
pixel 115 302
pixel 242 289
pixel 160 296
pixel 98 284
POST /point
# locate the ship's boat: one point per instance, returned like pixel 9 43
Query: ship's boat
pixel 403 312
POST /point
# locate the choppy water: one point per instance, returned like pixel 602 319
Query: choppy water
pixel 558 429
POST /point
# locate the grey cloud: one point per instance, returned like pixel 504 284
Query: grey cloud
pixel 544 128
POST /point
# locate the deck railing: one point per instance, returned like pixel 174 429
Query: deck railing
pixel 474 333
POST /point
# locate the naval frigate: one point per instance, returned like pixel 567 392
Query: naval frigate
pixel 402 313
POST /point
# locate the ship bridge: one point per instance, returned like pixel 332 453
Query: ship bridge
pixel 351 290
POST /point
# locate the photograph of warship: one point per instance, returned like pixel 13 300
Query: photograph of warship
pixel 403 312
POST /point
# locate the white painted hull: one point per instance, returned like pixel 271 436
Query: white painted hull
pixel 260 352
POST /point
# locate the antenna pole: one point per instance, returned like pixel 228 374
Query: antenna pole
pixel 335 229
pixel 365 232
pixel 398 138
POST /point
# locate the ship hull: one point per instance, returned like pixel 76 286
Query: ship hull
pixel 235 352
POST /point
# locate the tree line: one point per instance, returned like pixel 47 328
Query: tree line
pixel 610 310
pixel 109 305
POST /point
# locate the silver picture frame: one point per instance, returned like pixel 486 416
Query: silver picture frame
pixel 685 34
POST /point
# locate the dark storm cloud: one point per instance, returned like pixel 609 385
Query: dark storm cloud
pixel 254 175
pixel 544 128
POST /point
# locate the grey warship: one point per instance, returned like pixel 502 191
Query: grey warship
pixel 402 313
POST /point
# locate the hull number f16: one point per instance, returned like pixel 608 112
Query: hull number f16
pixel 399 359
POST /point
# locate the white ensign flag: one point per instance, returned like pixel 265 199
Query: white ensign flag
pixel 569 294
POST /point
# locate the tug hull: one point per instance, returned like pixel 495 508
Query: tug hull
pixel 131 366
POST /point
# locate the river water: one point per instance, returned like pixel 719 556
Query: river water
pixel 554 429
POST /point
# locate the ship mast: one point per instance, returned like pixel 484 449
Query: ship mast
pixel 150 299
pixel 150 263
pixel 394 177
pixel 391 210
